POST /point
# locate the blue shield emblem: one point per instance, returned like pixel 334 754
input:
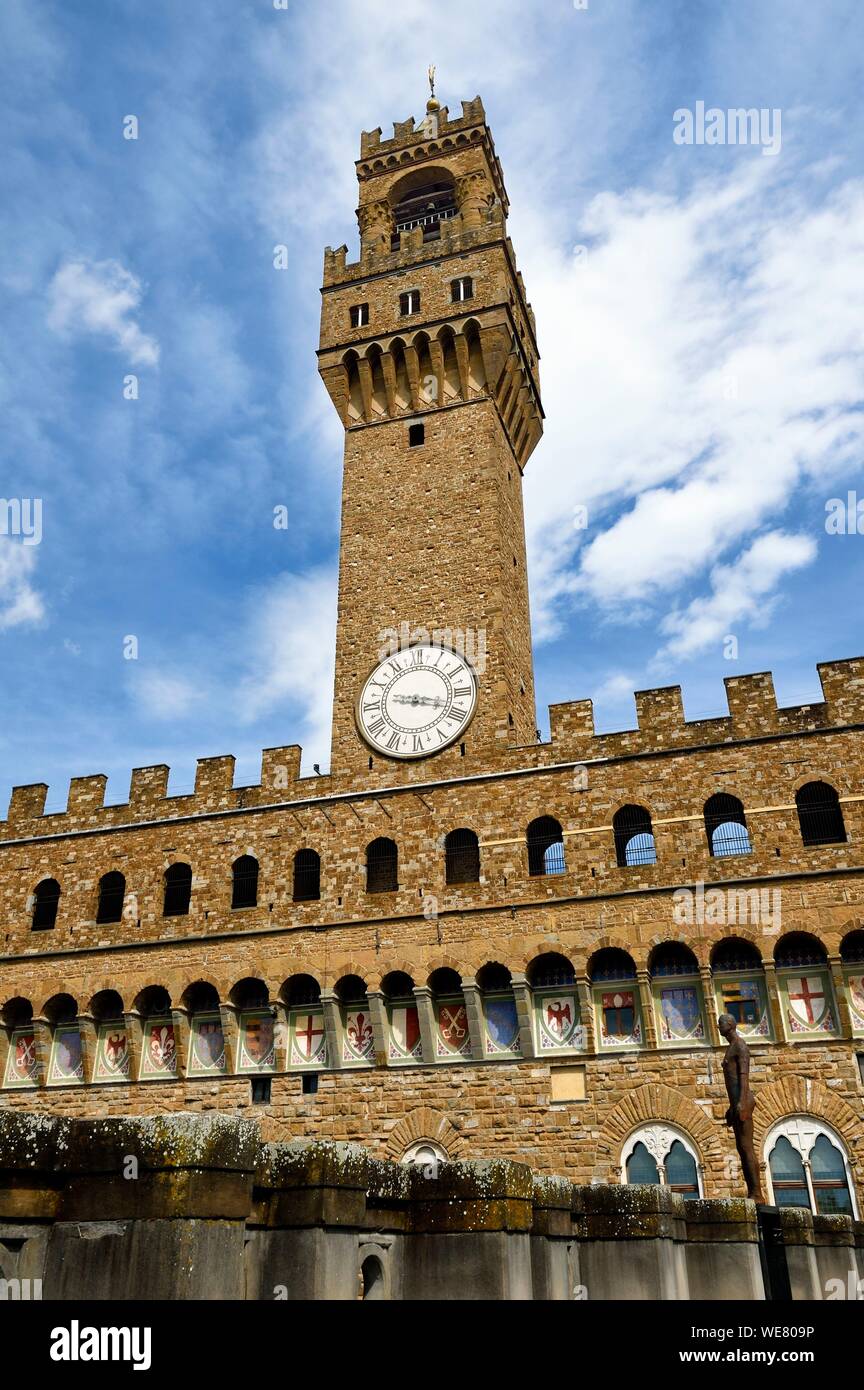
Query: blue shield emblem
pixel 501 1022
pixel 681 1011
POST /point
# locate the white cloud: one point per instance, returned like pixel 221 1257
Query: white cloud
pixel 616 687
pixel 701 365
pixel 740 592
pixel 164 696
pixel 291 655
pixel 99 297
pixel 20 603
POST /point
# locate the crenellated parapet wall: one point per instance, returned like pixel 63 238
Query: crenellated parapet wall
pixel 661 730
pixel 753 713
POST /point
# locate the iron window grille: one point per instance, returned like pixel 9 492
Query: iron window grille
pixel 820 815
pixel 47 901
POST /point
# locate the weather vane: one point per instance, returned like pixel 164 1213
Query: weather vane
pixel 432 79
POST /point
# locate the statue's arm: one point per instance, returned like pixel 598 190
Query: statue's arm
pixel 746 1103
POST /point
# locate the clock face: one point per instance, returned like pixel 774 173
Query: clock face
pixel 417 701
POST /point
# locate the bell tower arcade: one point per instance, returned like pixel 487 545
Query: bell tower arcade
pixel 429 354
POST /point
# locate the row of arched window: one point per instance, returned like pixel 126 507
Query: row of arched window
pixel 177 894
pixel 550 971
pixel 820 819
pixel 819 813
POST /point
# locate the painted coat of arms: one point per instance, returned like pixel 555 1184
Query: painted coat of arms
pixel 856 1000
pixel 502 1025
pixel 745 1001
pixel 112 1053
pixel 680 1013
pixel 22 1063
pixel 619 1020
pixel 359 1044
pixel 809 1005
pixel 67 1063
pixel 257 1042
pixel 453 1038
pixel 207 1046
pixel 159 1053
pixel 558 1017
pixel 405 1042
pixel 308 1039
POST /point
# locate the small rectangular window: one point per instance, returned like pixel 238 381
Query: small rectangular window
pixel 861 1066
pixel 359 315
pixel 261 1089
pixel 568 1083
pixel 462 288
pixel 409 303
pixel 416 435
pixel 310 1083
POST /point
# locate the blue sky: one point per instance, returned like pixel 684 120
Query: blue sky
pixel 700 322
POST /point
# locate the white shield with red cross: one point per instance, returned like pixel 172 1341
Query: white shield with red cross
pixel 807 999
pixel 308 1040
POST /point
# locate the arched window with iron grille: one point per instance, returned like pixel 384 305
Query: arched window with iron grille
pixel 46 901
pixel 245 882
pixel 382 866
pixel 112 891
pixel 820 815
pixel 726 826
pixel 178 890
pixel 307 876
pixel 545 840
pixel 462 857
pixel 634 837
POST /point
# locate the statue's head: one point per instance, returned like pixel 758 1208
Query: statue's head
pixel 727 1025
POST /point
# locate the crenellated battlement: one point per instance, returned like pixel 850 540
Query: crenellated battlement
pixel 407 132
pixel 149 798
pixel 661 728
pixel 753 713
pixel 455 238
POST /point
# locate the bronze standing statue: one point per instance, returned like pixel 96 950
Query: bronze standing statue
pixel 739 1116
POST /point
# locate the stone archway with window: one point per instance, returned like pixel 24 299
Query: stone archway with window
pixel 425 1128
pixel 807 1165
pixel 662 1155
pixel 799 1096
pixel 658 1105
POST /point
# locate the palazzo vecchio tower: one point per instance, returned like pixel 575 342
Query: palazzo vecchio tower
pixel 460 941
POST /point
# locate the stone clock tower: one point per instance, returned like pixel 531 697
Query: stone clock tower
pixel 428 352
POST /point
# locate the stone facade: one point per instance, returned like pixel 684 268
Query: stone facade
pixel 433 535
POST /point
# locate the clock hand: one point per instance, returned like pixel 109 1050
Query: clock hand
pixel 434 700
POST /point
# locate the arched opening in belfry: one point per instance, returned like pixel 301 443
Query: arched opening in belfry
pixel 430 387
pixel 476 366
pixel 379 390
pixel 402 384
pixel 424 199
pixel 452 388
pixel 355 394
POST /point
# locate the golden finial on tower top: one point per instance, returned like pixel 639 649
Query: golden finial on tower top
pixel 433 104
